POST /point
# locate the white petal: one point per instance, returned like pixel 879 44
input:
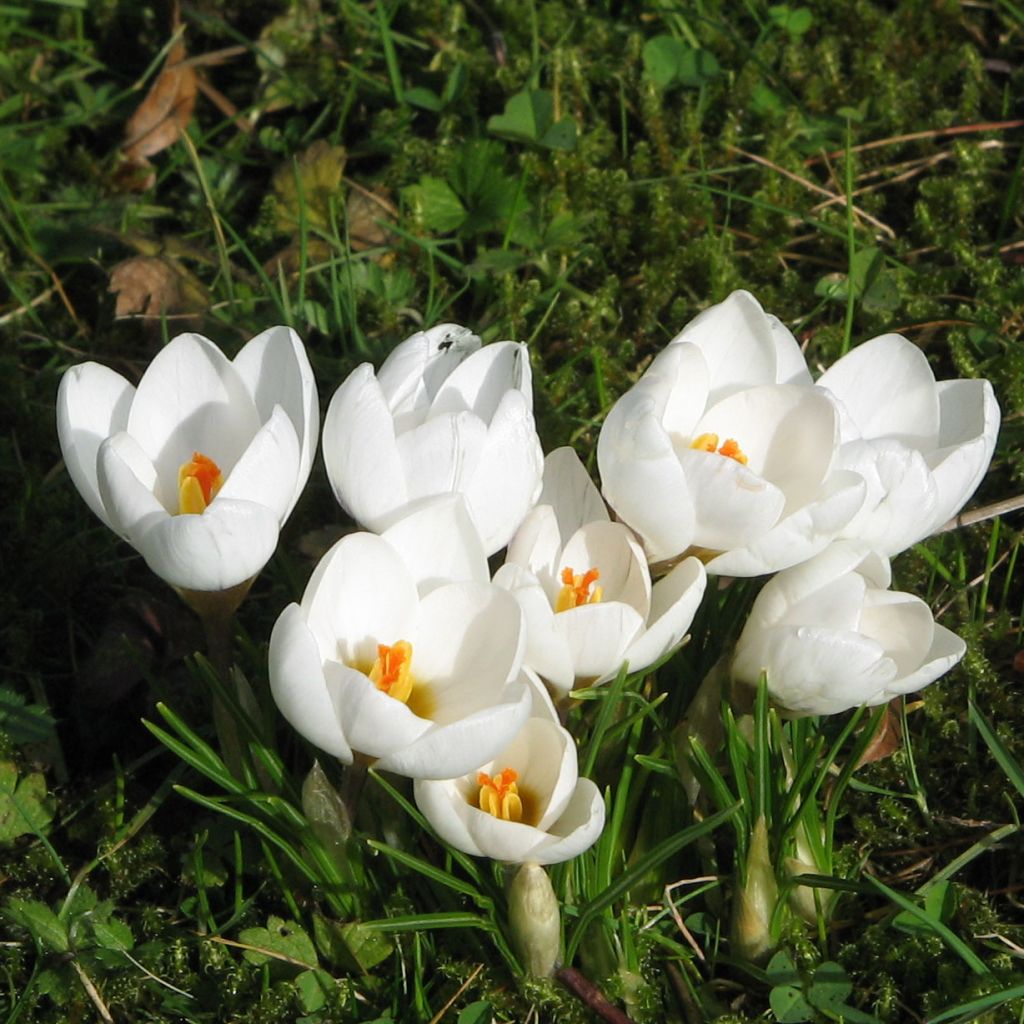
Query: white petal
pixel 970 423
pixel 537 544
pixel 439 544
pixel 267 471
pixel 192 399
pixel 788 433
pixel 507 479
pixel 568 489
pixel 543 754
pixel 791 367
pixel 738 342
pixel 674 603
pixel 946 651
pixel 888 388
pixel 598 635
pixel 127 482
pixel 445 806
pixel 226 545
pixel 800 585
pixel 799 536
pixel 642 480
pixel 298 685
pixel 546 651
pixel 901 494
pixel 579 827
pixel 276 370
pixel 815 671
pixel 612 550
pixel 360 595
pixel 92 403
pixel 441 455
pixel 462 745
pixel 469 644
pixel 902 624
pixel 413 373
pixel 375 724
pixel 360 452
pixel 677 384
pixel 480 382
pixel 733 505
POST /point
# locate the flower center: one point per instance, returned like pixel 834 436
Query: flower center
pixel 391 672
pixel 499 795
pixel 199 480
pixel 576 589
pixel 709 443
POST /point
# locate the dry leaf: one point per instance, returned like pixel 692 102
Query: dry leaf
pixel 164 114
pixel 153 286
pixel 145 284
pixel 368 216
pixel 316 174
pixel 888 736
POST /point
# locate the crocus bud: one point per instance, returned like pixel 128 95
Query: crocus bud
pixel 754 903
pixel 326 811
pixel 802 899
pixel 535 920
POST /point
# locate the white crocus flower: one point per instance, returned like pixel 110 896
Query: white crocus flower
pixel 525 804
pixel 441 416
pixel 385 660
pixel 724 448
pixel 585 588
pixel 831 636
pixel 198 466
pixel 922 446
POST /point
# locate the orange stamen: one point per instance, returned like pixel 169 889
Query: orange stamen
pixel 499 795
pixel 391 672
pixel 576 589
pixel 199 480
pixel 709 443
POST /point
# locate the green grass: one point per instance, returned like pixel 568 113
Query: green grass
pixel 593 216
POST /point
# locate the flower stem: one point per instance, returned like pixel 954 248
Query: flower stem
pixel 219 635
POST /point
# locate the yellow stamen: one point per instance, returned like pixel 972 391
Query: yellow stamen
pixel 198 483
pixel 391 672
pixel 709 443
pixel 499 795
pixel 576 589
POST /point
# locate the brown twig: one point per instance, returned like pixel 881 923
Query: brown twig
pixel 833 197
pixel 591 996
pixel 436 1019
pixel 933 133
pixel 979 515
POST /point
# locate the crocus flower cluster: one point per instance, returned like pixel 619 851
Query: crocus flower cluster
pixel 405 651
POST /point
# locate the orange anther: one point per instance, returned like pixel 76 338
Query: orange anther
pixel 499 794
pixel 391 673
pixel 576 589
pixel 198 483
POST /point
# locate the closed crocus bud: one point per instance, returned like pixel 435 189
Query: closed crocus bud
pixel 807 901
pixel 725 449
pixel 325 810
pixel 831 636
pixel 921 445
pixel 199 465
pixel 525 804
pixel 414 666
pixel 534 920
pixel 755 901
pixel 585 588
pixel 441 416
